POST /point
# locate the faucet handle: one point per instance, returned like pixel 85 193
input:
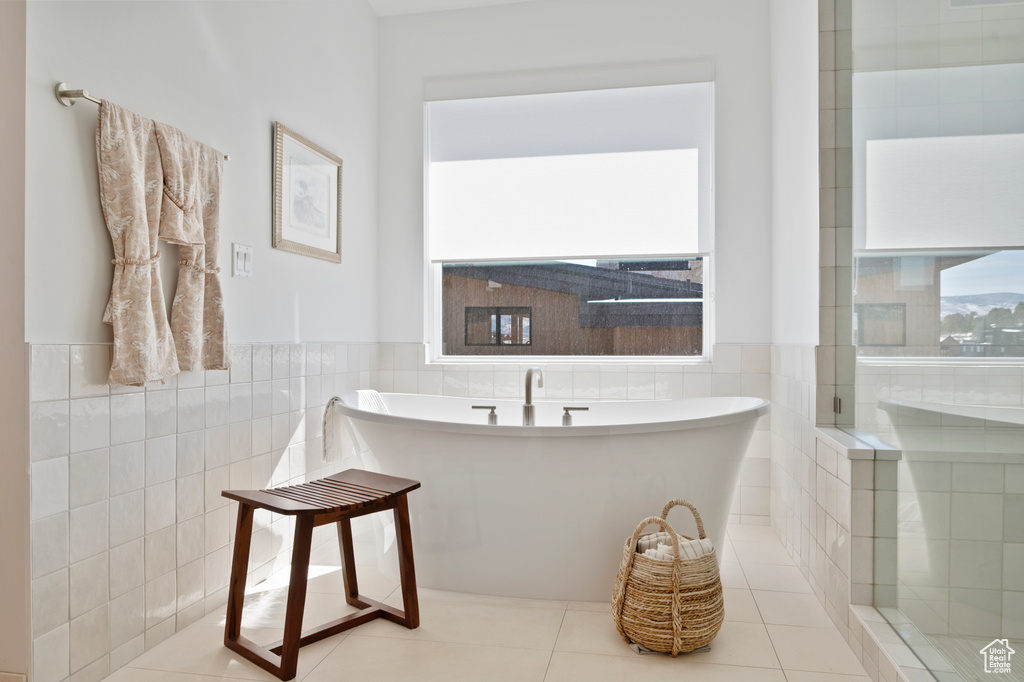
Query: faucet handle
pixel 492 417
pixel 567 418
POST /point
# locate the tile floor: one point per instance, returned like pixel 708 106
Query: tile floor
pixel 774 631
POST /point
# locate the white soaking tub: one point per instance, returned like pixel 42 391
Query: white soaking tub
pixel 543 511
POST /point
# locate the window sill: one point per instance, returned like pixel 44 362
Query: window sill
pixel 569 360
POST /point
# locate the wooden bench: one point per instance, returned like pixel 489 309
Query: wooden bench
pixel 334 499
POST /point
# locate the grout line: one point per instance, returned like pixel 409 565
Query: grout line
pixel 551 657
pixel 760 615
pixel 680 657
pixel 356 634
pixel 343 636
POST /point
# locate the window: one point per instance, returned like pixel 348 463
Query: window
pixel 498 326
pixel 596 307
pixel 938 238
pixel 572 223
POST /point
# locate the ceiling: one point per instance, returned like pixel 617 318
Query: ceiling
pixel 385 8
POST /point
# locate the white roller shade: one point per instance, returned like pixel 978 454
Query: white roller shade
pixel 945 192
pixel 620 204
pixel 597 173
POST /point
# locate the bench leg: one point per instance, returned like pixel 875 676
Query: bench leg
pixel 239 569
pixel 282 659
pixel 410 615
pixel 406 566
pixel 348 563
pixel 296 596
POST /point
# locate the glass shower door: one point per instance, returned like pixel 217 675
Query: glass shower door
pixel 938 243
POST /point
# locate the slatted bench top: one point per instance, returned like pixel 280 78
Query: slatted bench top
pixel 346 491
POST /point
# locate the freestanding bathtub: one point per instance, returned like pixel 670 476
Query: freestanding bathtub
pixel 542 511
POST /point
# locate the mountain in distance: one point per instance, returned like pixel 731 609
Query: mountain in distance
pixel 978 303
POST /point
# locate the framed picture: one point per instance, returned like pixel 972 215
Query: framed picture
pixel 307 197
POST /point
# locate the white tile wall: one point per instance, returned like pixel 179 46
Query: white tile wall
pixel 52 381
pixel 49 602
pixel 131 539
pixel 88 478
pixel 51 655
pixel 89 365
pixel 50 430
pixel 824 508
pixel 89 585
pixel 90 637
pixel 90 424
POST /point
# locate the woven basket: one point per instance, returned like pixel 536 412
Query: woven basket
pixel 668 606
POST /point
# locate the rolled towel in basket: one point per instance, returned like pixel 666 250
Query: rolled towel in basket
pixel 688 549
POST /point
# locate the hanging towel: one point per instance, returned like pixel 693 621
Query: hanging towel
pixel 181 210
pixel 130 179
pixel 367 400
pixel 190 217
pixel 338 434
pixel 333 424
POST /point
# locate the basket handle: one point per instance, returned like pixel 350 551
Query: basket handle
pixel 696 515
pixel 664 526
pixel 628 553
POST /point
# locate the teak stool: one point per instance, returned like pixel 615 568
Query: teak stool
pixel 338 498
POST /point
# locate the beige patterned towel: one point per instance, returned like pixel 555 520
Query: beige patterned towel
pixel 158 183
pixel 130 180
pixel 190 216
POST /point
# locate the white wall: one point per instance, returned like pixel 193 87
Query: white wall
pixel 222 72
pixel 794 53
pixel 14 526
pixel 580 34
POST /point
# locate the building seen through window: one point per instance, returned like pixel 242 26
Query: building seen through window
pixel 586 307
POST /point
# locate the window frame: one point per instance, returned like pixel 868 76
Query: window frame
pixel 668 72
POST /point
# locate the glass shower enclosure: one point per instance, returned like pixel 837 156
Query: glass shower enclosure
pixel 938 320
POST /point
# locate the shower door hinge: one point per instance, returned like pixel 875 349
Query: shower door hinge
pixel 837 405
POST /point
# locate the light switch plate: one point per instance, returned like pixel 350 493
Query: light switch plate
pixel 241 260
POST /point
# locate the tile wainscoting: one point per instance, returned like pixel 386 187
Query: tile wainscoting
pixel 131 540
pixel 833 506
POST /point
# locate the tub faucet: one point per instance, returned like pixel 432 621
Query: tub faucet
pixel 528 405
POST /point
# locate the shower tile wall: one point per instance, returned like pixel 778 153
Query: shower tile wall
pixel 835 352
pixel 961 495
pixel 813 491
pixel 823 505
pixel 131 540
pixel 948 383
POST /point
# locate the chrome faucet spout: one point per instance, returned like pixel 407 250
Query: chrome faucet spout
pixel 528 418
pixel 529 382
